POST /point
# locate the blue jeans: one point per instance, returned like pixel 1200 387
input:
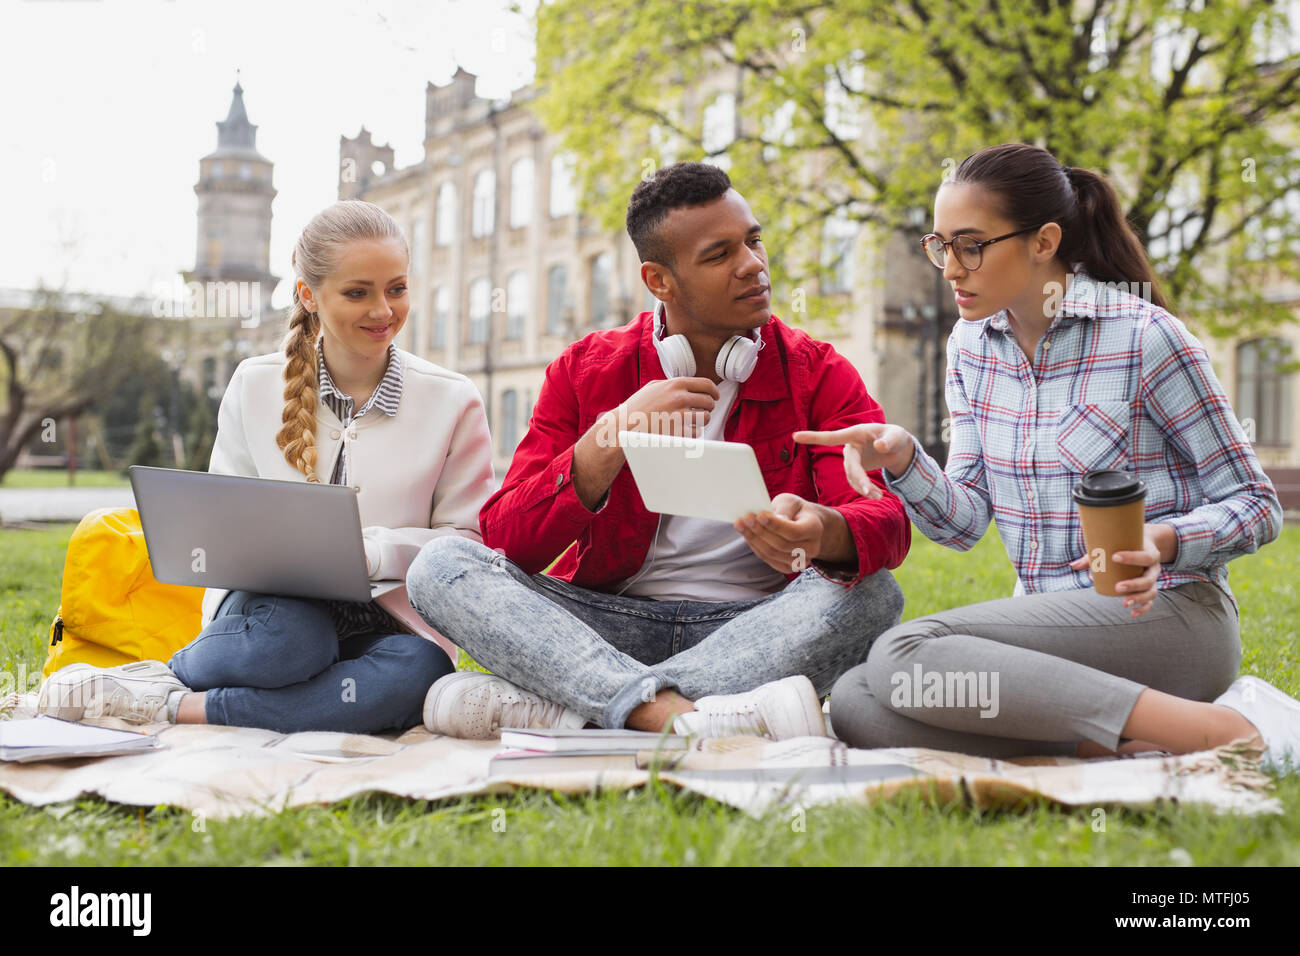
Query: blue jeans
pixel 277 662
pixel 603 655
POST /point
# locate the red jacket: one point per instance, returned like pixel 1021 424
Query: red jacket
pixel 798 383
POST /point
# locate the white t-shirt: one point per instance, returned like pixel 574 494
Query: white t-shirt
pixel 694 559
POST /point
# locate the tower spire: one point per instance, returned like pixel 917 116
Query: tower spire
pixel 236 132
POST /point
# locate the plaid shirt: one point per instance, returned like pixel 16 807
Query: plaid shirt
pixel 1116 383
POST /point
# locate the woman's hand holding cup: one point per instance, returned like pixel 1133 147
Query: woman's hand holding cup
pixel 867 447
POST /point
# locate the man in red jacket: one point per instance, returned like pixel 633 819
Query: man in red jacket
pixel 648 619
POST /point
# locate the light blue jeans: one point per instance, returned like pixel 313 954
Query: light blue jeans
pixel 603 655
pixel 276 662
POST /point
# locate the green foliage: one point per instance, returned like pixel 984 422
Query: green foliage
pixel 1189 107
pixel 155 384
pixel 147 450
pixel 201 436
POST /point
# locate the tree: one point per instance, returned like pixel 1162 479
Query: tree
pixel 857 109
pixel 154 383
pixel 202 434
pixel 146 450
pixel 57 360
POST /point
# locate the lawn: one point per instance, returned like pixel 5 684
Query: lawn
pixel 57 478
pixel 659 825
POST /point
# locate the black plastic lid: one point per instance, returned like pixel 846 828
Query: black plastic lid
pixel 1102 489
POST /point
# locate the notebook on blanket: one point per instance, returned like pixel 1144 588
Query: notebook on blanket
pixel 48 738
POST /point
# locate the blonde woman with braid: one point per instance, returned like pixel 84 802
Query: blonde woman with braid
pixel 339 404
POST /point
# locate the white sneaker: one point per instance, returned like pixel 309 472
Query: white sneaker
pixel 476 706
pixel 1275 714
pixel 780 710
pixel 135 692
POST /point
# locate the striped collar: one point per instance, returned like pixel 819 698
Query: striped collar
pixel 385 397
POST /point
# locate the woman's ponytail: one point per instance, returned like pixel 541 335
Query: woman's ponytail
pixel 1101 239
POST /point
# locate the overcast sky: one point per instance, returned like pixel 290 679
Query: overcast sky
pixel 109 104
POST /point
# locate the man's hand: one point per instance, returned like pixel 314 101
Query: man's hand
pixel 788 537
pixel 1139 593
pixel 674 406
pixel 867 447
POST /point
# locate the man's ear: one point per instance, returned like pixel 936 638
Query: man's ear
pixel 659 280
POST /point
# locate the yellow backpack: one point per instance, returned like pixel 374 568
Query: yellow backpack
pixel 112 611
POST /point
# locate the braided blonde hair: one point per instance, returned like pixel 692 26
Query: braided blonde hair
pixel 317 254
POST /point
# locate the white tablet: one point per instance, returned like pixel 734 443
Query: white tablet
pixel 695 477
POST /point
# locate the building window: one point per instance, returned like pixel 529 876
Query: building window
pixel 516 304
pixel 838 234
pixel 441 315
pixel 245 171
pixel 601 267
pixel 843 109
pixel 409 337
pixel 719 123
pixel 564 198
pixel 521 193
pixel 556 278
pixel 1264 391
pixel 778 130
pixel 663 143
pixel 444 230
pixel 485 190
pixel 509 422
pixel 480 302
pixel 419 238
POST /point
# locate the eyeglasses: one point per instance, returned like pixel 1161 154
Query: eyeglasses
pixel 969 252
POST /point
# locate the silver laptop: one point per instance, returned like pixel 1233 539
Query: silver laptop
pixel 294 538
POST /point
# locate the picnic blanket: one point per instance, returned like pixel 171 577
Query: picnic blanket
pixel 230 771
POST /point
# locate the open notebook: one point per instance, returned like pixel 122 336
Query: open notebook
pixel 49 738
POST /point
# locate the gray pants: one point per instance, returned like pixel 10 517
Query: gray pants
pixel 1035 674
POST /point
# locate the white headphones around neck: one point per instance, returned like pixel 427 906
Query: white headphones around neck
pixel 736 358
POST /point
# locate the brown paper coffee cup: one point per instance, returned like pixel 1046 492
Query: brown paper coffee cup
pixel 1112 510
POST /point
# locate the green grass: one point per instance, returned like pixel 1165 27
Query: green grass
pixel 659 825
pixel 55 478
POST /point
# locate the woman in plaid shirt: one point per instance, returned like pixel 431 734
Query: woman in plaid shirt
pixel 1056 369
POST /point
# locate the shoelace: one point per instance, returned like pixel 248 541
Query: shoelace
pixel 122 703
pixel 521 711
pixel 743 720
